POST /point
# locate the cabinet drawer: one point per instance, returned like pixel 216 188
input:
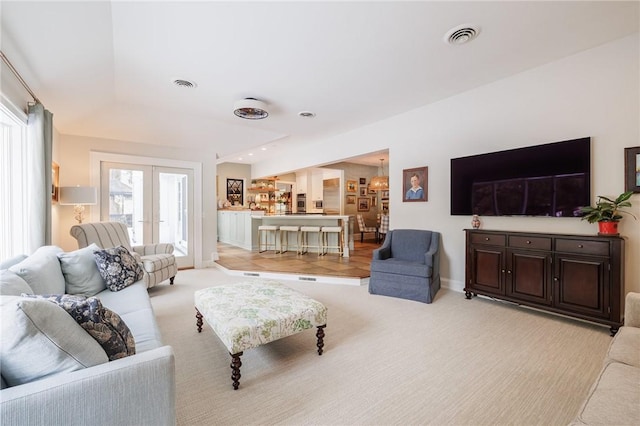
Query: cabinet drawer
pixel 582 246
pixel 537 243
pixel 490 239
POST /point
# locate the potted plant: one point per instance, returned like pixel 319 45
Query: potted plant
pixel 607 213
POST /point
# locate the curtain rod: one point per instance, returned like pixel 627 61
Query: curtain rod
pixel 19 77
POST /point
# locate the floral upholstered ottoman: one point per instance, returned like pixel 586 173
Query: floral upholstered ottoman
pixel 249 314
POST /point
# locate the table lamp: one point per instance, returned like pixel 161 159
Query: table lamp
pixel 79 196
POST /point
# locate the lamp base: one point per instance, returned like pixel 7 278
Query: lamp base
pixel 79 212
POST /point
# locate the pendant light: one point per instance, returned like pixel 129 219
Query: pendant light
pixel 380 183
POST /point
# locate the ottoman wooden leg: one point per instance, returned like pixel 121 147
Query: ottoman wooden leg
pixel 235 369
pixel 198 320
pixel 320 336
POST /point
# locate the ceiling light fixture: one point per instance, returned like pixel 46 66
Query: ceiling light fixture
pixel 381 182
pixel 307 114
pixel 251 109
pixel 461 34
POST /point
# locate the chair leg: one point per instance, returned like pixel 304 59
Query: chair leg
pixel 362 237
pixel 171 280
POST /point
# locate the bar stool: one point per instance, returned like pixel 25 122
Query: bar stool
pixel 284 238
pixel 326 231
pixel 304 238
pixel 267 230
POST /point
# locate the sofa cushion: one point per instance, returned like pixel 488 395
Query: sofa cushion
pixel 401 267
pixel 134 307
pixel 42 271
pixel 12 285
pixel 7 263
pixel 39 339
pixel 625 346
pixel 118 267
pixel 104 325
pixel 80 271
pixel 614 398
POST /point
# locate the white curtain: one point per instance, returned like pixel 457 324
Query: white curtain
pixel 39 139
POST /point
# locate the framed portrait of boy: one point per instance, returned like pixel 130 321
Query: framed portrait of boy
pixel 414 184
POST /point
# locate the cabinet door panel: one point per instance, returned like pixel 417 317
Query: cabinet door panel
pixel 528 277
pixel 487 273
pixel 582 285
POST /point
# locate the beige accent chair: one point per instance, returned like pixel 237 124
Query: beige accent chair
pixel 157 260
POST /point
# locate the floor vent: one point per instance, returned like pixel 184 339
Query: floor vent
pixel 251 274
pixel 307 279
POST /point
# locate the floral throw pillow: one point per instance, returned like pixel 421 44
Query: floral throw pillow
pixel 118 268
pixel 104 325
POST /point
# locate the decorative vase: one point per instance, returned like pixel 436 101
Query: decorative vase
pixel 475 221
pixel 608 228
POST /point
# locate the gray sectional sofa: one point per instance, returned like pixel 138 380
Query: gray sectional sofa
pixel 614 398
pixel 134 390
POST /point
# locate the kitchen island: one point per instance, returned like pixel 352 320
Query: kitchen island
pixel 346 222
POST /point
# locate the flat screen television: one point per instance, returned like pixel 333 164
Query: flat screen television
pixel 544 180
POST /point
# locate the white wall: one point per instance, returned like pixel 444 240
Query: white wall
pixel 594 93
pixel 72 153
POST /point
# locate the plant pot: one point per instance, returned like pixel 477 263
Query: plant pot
pixel 608 228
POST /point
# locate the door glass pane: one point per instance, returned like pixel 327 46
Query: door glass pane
pixel 126 201
pixel 173 211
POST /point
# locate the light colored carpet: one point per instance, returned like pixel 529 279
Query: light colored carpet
pixel 387 361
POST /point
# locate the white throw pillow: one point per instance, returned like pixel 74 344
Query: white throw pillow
pixel 40 339
pixel 80 272
pixel 12 285
pixel 42 271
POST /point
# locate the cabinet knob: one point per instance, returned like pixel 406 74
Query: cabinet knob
pixel 503 271
pixel 528 242
pixel 508 272
pixel 555 278
pixel 580 246
pixel 486 238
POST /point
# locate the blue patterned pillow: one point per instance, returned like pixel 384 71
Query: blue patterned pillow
pixel 118 268
pixel 104 325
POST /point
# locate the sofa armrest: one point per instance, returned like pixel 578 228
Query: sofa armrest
pixel 161 248
pixel 632 310
pixel 139 390
pixel 432 257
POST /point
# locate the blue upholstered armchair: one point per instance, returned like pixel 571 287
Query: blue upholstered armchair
pixel 407 265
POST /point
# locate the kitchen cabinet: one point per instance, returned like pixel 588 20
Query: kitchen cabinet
pixel 575 275
pixel 234 227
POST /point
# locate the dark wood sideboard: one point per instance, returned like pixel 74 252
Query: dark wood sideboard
pixel 581 276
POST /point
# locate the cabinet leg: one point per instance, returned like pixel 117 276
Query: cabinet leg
pixel 613 330
pixel 467 294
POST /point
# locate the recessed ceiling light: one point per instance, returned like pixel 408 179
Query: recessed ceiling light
pixel 264 148
pixel 461 34
pixel 187 84
pixel 307 114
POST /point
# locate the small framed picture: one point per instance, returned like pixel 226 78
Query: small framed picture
pixel 374 201
pixel 414 184
pixel 363 191
pixel 363 204
pixel 370 191
pixel 55 182
pixel 363 181
pixel 632 169
pixel 352 186
pixel 351 199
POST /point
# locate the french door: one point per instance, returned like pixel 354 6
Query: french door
pixel 156 204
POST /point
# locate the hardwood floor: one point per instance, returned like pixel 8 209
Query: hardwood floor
pixel 355 266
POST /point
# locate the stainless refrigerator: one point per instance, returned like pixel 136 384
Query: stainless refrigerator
pixel 331 196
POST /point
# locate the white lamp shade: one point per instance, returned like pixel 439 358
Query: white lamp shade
pixel 85 195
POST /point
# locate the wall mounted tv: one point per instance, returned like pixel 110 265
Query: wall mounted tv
pixel 544 180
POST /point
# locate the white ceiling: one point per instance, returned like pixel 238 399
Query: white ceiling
pixel 105 69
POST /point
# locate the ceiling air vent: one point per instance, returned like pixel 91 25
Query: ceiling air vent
pixel 461 34
pixel 184 83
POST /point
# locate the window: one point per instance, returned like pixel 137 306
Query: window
pixel 14 232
